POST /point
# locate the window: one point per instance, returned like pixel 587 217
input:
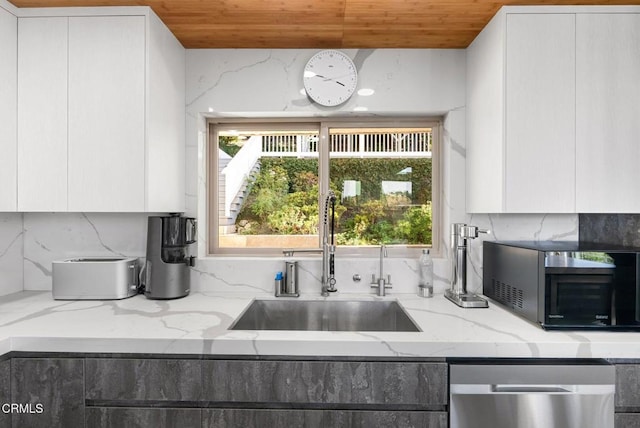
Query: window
pixel 267 181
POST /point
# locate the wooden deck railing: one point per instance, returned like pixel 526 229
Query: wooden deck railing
pixel 416 144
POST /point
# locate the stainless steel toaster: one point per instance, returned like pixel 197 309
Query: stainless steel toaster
pixel 95 278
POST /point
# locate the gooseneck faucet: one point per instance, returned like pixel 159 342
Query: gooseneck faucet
pixel 328 280
pixel 460 233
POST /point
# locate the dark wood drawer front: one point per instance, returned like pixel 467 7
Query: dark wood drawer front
pixel 628 386
pixel 627 420
pixel 391 419
pixel 143 379
pixel 246 418
pixel 232 418
pixel 55 383
pixel 407 384
pixel 100 417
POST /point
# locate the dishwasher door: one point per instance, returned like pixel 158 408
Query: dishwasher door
pixel 532 396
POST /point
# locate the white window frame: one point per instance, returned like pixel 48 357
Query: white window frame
pixel 324 125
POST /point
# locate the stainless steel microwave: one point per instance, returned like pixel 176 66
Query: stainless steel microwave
pixel 565 285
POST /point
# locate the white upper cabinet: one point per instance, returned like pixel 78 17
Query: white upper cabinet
pixel 521 115
pixel 553 111
pixel 540 113
pixel 101 112
pixel 42 114
pixel 106 113
pixel 165 110
pixel 608 113
pixel 8 121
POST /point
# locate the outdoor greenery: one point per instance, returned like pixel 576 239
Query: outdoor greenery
pixel 230 145
pixel 284 200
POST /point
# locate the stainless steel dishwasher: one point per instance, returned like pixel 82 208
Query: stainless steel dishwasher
pixel 532 396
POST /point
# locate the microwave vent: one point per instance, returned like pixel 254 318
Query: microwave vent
pixel 508 294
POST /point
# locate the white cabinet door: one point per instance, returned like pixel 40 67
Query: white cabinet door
pixel 42 114
pixel 8 100
pixel 165 120
pixel 540 113
pixel 485 119
pixel 608 113
pixel 107 113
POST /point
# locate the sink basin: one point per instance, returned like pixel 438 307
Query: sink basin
pixel 335 315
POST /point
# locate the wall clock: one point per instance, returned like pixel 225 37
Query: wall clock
pixel 330 78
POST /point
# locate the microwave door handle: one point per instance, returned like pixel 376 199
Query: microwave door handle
pixel 613 302
pixel 637 288
pixel 553 291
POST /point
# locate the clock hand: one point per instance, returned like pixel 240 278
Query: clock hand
pixel 328 79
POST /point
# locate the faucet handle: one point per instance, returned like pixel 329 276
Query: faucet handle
pixel 388 283
pixel 471 232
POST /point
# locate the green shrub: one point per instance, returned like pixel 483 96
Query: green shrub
pixel 269 190
pixel 290 220
pixel 415 226
pixel 229 145
pixel 284 200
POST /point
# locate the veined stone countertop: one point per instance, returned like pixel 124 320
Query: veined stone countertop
pixel 197 324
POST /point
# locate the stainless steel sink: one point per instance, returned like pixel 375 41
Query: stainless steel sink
pixel 329 315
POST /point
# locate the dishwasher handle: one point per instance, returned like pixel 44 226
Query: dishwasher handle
pixel 518 389
pixel 530 389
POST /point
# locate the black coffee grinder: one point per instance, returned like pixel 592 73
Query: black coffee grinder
pixel 167 266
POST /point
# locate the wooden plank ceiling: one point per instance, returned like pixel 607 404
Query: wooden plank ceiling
pixel 321 23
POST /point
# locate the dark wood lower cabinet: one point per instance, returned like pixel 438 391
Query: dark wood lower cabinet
pixel 129 379
pixel 628 386
pixel 5 392
pixel 627 420
pixel 627 399
pixel 105 392
pixel 109 417
pixel 246 418
pixel 53 385
pixel 341 384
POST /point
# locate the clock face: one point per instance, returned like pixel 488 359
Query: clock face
pixel 330 78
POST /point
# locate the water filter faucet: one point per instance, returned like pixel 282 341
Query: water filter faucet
pixel 457 293
pixel 381 284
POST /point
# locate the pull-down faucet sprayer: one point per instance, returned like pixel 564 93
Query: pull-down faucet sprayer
pixel 328 245
pixel 328 280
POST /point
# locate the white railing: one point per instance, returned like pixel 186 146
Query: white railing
pixel 237 170
pixel 302 145
pixel 414 144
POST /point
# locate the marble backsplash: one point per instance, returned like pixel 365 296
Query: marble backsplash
pixel 623 229
pixel 29 242
pixel 11 253
pixel 231 274
pixel 57 236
